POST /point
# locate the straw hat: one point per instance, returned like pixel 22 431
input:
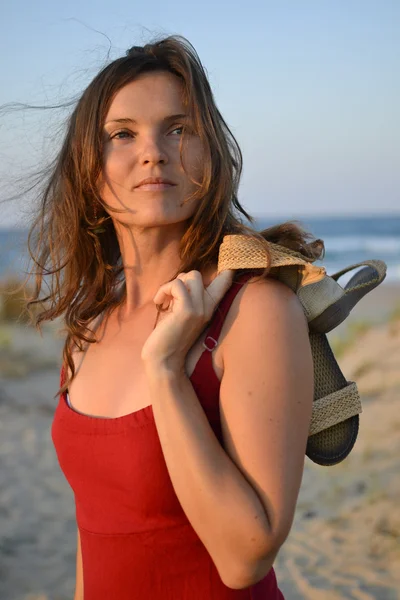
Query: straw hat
pixel 337 405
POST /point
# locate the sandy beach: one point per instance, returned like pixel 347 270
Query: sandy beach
pixel 345 540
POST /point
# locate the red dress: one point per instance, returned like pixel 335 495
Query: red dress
pixel 137 543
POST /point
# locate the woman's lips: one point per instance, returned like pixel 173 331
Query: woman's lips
pixel 154 187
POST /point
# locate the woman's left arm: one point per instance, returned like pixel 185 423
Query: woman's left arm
pixel 241 499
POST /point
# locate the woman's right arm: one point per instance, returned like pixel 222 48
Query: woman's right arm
pixel 79 571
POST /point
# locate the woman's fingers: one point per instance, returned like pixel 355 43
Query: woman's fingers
pixel 172 291
pixel 194 284
pixel 217 289
pixel 188 290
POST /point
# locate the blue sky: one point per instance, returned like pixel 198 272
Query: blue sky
pixel 310 89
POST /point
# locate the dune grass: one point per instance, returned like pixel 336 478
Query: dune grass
pixel 341 344
pixel 13 302
pixel 395 313
pixel 394 320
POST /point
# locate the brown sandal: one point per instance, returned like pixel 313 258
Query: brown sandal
pixel 337 404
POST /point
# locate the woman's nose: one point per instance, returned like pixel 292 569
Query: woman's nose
pixel 152 151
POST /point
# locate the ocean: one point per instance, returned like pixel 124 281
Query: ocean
pixel 347 241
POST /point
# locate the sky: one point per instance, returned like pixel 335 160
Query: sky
pixel 310 89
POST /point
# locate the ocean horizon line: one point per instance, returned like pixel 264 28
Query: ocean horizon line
pixel 277 218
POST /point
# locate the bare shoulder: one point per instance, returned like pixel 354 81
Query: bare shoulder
pixel 266 306
pixel 271 291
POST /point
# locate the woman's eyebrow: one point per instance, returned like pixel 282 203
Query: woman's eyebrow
pixel 133 122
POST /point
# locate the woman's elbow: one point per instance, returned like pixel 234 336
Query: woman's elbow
pixel 248 575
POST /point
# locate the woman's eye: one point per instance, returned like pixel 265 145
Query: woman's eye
pixel 120 133
pixel 181 128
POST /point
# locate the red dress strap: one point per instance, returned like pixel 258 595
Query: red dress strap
pixel 221 311
pixel 204 369
pixel 62 375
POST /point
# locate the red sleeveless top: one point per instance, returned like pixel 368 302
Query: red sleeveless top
pixel 137 543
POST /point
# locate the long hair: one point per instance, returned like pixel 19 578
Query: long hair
pixel 82 269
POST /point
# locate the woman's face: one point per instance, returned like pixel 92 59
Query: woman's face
pixel 143 128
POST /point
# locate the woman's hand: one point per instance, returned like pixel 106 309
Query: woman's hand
pixel 190 307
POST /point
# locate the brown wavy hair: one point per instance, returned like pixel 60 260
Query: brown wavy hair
pixel 81 268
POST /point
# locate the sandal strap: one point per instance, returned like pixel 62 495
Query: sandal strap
pixel 335 408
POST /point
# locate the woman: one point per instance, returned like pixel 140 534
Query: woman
pixel 183 437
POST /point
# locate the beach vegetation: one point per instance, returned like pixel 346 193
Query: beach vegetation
pixel 13 302
pixel 394 316
pixel 363 368
pixel 355 330
pixel 5 339
pixel 394 320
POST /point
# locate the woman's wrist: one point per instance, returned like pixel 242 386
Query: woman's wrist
pixel 164 368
